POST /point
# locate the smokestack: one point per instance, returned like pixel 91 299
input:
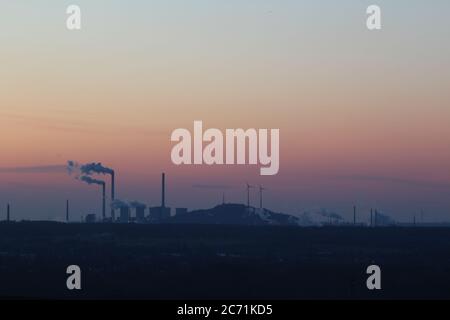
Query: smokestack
pixel 8 213
pixel 102 183
pixel 95 167
pixel 113 190
pixel 163 191
pixel 354 214
pixel 371 217
pixel 104 201
pixel 67 210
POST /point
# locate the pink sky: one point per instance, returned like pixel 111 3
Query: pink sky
pixel 363 118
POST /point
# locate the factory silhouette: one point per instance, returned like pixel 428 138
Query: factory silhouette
pixel 225 213
pixel 137 212
pixel 125 209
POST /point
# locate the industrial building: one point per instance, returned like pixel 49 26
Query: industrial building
pixel 181 211
pixel 124 214
pixel 140 214
pixel 91 218
pixel 157 214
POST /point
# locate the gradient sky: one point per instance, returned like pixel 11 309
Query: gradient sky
pixel 363 116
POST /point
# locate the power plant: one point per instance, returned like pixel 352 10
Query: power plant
pixel 90 180
pixel 90 168
pixel 156 214
pixel 86 171
pixel 135 212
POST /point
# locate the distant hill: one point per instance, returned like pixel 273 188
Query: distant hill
pixel 235 214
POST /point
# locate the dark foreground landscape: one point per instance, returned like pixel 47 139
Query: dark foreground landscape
pixel 211 261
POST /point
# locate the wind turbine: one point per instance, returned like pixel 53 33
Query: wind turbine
pixel 248 194
pixel 261 189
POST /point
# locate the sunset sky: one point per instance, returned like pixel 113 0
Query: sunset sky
pixel 364 117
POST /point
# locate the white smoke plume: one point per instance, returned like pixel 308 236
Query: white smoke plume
pixel 95 167
pixel 90 180
pixel 137 204
pixel 331 215
pixel 384 220
pixel 73 168
pixel 88 169
pixel 117 204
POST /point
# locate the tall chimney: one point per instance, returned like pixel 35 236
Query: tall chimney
pixel 8 213
pixel 67 210
pixel 371 217
pixel 163 191
pixel 113 188
pixel 354 214
pixel 104 201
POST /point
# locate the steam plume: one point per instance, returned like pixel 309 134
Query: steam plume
pixel 117 204
pixel 73 167
pixel 34 169
pixel 88 169
pixel 137 204
pixel 90 180
pixel 331 215
pixel 95 167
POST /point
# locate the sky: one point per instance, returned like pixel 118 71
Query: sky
pixel 363 116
